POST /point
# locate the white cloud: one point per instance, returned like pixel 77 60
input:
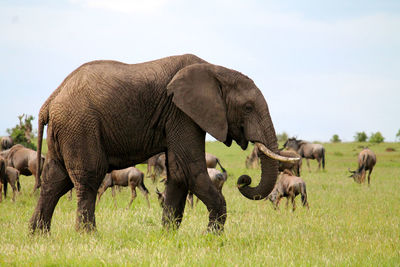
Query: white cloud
pixel 124 6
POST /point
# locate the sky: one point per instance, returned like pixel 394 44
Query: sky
pixel 324 67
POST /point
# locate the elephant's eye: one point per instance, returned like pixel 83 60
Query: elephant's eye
pixel 248 108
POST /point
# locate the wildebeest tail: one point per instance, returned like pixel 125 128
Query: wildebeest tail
pixel 323 158
pixel 222 168
pixel 5 189
pixel 304 195
pixel 141 184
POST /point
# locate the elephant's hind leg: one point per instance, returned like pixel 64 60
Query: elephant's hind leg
pixel 55 184
pixel 86 184
pixel 175 201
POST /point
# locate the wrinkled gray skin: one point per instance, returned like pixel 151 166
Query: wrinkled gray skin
pixel 109 115
pixel 131 177
pixel 252 160
pixel 23 159
pixel 218 179
pixel 288 186
pixel 6 142
pixel 366 162
pixel 307 150
pixel 293 167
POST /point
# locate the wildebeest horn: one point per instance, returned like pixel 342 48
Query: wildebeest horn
pixel 272 155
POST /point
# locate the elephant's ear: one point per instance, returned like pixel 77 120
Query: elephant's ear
pixel 196 91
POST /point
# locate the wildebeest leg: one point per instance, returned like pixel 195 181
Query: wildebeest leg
pixel 113 196
pixel 14 188
pixel 287 203
pixel 369 176
pixel 308 164
pixel 55 184
pixel 276 206
pixel 190 199
pixel 292 197
pixel 133 194
pixel 1 191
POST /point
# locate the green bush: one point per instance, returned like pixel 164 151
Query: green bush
pixel 376 138
pixel 335 139
pixel 360 137
pixel 22 133
pixel 282 137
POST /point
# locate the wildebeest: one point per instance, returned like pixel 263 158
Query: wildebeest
pixel 23 159
pixel 6 142
pixel 307 150
pixel 252 160
pixel 366 162
pixel 218 179
pixel 8 175
pixel 288 186
pixel 131 177
pixel 293 167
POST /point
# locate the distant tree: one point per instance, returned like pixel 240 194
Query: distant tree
pixel 22 132
pixel 335 139
pixel 282 137
pixel 376 138
pixel 398 135
pixel 360 137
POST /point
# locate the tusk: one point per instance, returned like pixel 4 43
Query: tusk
pixel 272 155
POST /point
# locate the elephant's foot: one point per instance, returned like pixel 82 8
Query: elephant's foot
pixel 38 224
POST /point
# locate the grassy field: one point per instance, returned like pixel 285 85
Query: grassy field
pixel 347 223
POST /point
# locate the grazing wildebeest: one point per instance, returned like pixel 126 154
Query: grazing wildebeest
pixel 252 160
pixel 288 186
pixel 131 177
pixel 6 142
pixel 292 166
pixel 156 167
pixel 307 150
pixel 366 162
pixel 217 178
pixel 23 159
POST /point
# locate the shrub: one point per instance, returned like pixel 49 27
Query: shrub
pixel 282 137
pixel 335 139
pixel 360 137
pixel 376 138
pixel 22 133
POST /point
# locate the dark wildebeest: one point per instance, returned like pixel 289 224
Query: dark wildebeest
pixel 293 167
pixel 252 160
pixel 8 175
pixel 218 179
pixel 131 177
pixel 307 150
pixel 6 142
pixel 366 162
pixel 288 186
pixel 24 160
pixel 156 165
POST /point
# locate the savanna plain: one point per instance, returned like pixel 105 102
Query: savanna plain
pixel 347 224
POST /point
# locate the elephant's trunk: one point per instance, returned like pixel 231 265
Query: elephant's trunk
pixel 269 173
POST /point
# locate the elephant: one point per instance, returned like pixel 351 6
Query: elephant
pixel 288 186
pixel 24 160
pixel 307 150
pixel 131 177
pixel 109 115
pixel 6 142
pixel 366 162
pixel 293 167
pixel 8 175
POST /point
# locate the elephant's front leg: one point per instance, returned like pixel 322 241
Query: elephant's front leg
pixel 175 200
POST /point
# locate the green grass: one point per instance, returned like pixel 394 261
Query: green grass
pixel 347 223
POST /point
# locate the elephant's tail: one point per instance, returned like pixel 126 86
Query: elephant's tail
pixel 42 121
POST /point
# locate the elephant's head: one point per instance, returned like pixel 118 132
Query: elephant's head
pixel 229 106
